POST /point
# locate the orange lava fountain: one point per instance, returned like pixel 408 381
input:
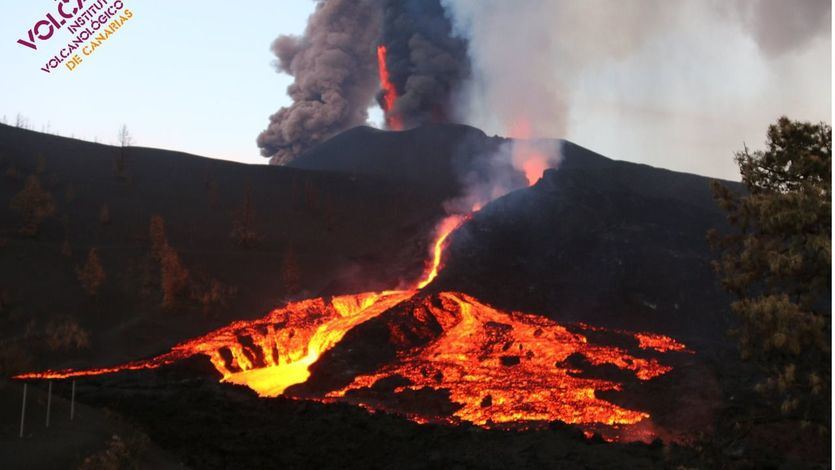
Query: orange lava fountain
pixel 526 157
pixel 393 121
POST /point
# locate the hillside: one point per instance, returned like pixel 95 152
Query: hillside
pixel 618 245
pixel 597 240
pixel 344 232
pixel 602 241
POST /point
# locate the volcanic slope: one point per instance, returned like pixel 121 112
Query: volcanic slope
pixel 314 232
pixel 606 242
pixel 601 241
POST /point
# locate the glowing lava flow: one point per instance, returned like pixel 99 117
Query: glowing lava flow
pixel 504 367
pixel 497 367
pixel 393 121
pixel 660 343
pixel 272 353
pixel 448 225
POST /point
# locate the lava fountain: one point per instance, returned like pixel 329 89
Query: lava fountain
pixel 526 156
pixel 393 121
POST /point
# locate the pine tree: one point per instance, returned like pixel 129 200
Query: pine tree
pixel 777 263
pixel 91 274
pixel 174 277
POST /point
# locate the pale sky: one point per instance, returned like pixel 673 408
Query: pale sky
pixel 183 75
pixel 198 77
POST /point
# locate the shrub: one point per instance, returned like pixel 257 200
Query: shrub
pixel 66 334
pixel 35 204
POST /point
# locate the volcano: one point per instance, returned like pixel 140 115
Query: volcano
pixel 566 301
pixel 471 361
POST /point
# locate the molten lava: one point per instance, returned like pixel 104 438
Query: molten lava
pixel 660 343
pixel 393 121
pixel 501 367
pixel 271 353
pixel 498 367
pixel 448 225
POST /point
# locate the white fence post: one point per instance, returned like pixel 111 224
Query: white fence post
pixel 48 403
pixel 72 401
pixel 23 410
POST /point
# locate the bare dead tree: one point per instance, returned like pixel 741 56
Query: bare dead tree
pixel 21 122
pixel 125 139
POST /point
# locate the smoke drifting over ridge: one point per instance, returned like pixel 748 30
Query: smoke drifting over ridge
pixel 675 84
pixel 780 27
pixel 336 77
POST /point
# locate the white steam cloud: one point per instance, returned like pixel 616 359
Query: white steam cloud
pixel 678 84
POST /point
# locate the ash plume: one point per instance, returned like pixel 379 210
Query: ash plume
pixel 336 77
pixel 780 27
pixel 335 73
pixel 426 62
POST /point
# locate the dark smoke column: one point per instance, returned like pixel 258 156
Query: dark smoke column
pixel 335 70
pixel 426 63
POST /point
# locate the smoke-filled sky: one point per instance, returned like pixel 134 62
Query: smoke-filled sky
pixel 678 84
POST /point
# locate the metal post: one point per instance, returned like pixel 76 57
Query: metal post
pixel 48 403
pixel 72 402
pixel 23 410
